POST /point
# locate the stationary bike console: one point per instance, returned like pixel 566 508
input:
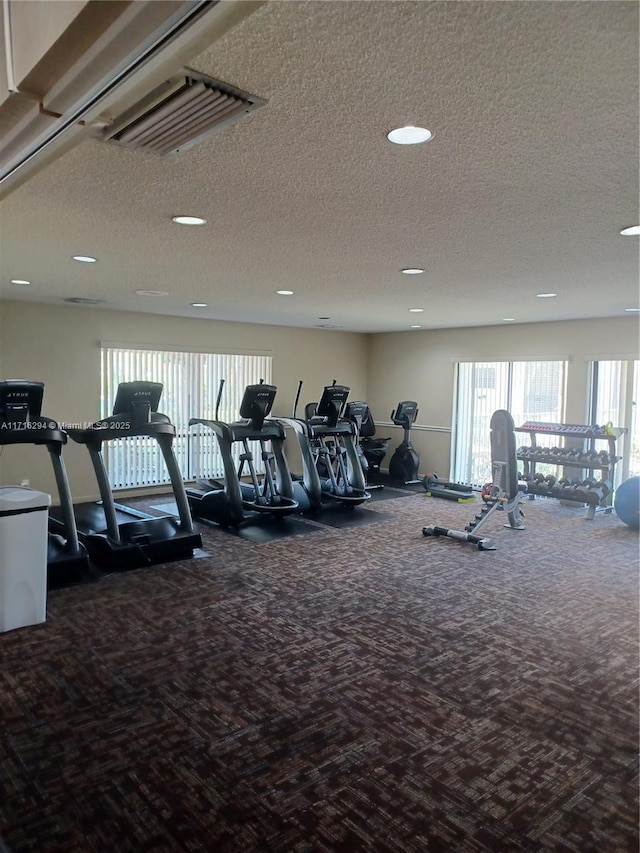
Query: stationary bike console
pixel 405 462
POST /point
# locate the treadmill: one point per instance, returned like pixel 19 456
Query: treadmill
pixel 21 422
pixel 119 537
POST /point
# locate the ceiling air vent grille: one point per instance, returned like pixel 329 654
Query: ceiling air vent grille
pixel 180 113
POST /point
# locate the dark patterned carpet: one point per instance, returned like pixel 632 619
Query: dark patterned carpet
pixel 359 688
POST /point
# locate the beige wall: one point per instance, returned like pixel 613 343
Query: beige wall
pixel 60 346
pixel 420 366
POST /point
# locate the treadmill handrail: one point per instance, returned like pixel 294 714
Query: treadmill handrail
pixel 98 433
pixel 41 431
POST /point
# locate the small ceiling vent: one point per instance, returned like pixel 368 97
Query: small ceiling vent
pixel 82 300
pixel 180 113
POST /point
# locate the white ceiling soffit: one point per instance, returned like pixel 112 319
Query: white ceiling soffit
pixel 180 113
pixel 146 44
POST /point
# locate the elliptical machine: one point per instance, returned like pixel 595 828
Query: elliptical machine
pixel 235 500
pixel 331 472
pixel 404 464
pixel 334 448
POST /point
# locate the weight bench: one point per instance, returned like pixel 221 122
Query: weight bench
pixel 505 492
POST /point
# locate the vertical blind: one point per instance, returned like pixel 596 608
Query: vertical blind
pixel 529 390
pixel 633 466
pixel 615 396
pixel 190 387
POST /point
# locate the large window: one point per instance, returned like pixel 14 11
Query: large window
pixel 615 394
pixel 191 382
pixel 530 390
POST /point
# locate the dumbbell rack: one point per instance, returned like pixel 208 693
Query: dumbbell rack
pixel 571 431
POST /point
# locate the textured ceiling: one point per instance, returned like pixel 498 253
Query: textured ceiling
pixel 531 174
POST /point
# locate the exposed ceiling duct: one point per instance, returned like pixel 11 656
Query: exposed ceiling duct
pixel 180 113
pixel 120 62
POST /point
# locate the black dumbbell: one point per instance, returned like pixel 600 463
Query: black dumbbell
pixel 573 489
pixel 581 489
pixel 565 482
pixel 562 485
pixel 600 490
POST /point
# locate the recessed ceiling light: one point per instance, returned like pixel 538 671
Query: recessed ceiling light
pixel 199 304
pixel 189 220
pixel 85 259
pixel 152 292
pixel 409 135
pixel 508 319
pixel 285 292
pixel 19 281
pixel 412 271
pixel 416 310
pixel 632 309
pixel 545 295
pixel 631 231
pixel 415 327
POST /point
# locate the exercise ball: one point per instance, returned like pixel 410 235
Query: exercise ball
pixel 627 502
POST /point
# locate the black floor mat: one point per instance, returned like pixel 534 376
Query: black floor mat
pixel 258 528
pixel 262 530
pixel 403 487
pixel 349 517
pixel 386 493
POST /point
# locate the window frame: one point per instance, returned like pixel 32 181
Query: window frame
pixel 504 378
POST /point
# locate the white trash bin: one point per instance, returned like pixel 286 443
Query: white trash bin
pixel 23 557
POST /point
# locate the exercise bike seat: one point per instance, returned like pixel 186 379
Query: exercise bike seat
pixel 373 448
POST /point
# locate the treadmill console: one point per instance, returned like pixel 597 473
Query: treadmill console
pixel 20 402
pixel 138 400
